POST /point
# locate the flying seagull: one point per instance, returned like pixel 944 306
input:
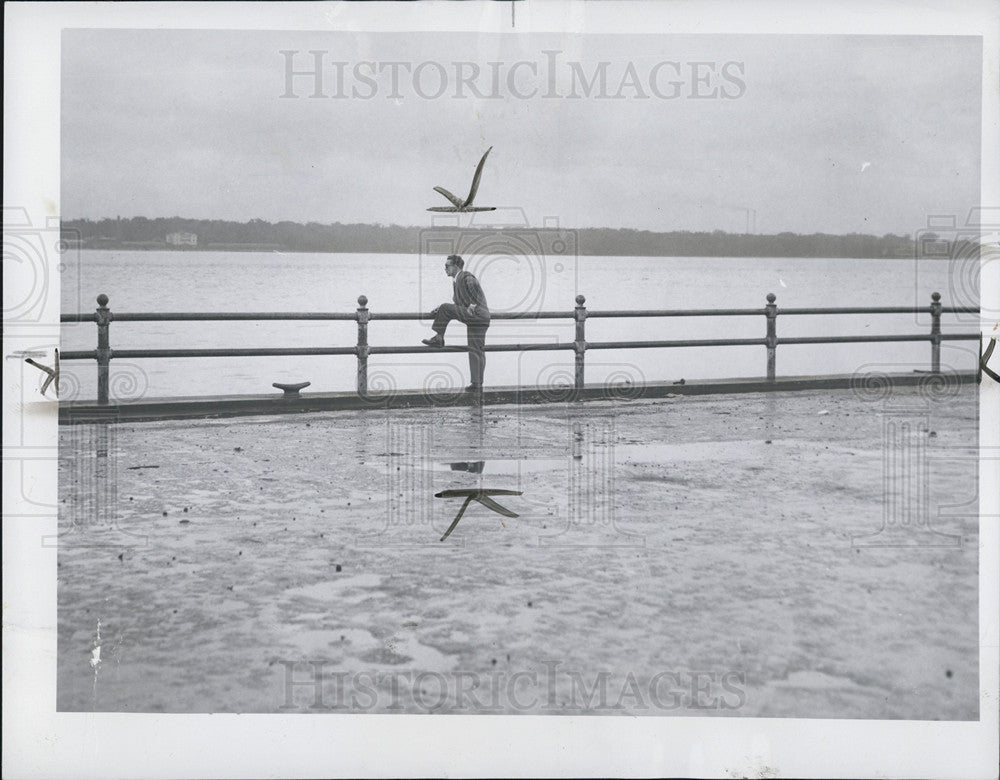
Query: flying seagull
pixel 465 205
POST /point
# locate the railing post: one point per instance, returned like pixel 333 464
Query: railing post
pixel 362 348
pixel 935 333
pixel 103 320
pixel 580 342
pixel 771 312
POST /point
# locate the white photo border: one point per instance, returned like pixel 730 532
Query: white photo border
pixel 39 742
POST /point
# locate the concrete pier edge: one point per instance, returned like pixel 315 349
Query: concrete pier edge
pixel 201 407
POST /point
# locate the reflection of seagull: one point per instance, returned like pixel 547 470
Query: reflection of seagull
pixel 482 495
pixel 465 205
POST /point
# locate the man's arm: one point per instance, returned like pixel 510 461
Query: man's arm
pixel 474 291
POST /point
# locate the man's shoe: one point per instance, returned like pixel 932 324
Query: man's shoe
pixel 434 341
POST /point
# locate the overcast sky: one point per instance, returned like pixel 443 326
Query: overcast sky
pixel 815 133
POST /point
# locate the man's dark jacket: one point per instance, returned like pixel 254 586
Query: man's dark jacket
pixel 466 291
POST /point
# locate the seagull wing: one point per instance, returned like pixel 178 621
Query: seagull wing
pixel 459 493
pixel 462 492
pixel 453 198
pixel 489 502
pixel 475 179
pixel 457 518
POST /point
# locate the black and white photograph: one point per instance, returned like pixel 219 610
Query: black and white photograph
pixel 576 370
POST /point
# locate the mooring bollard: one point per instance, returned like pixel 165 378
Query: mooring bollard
pixel 935 333
pixel 362 348
pixel 290 390
pixel 580 343
pixel 103 319
pixel 771 312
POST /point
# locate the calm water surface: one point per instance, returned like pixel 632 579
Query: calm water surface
pixel 281 282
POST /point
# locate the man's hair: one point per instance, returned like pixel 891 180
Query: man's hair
pixel 457 260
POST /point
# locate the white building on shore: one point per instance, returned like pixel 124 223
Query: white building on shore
pixel 182 239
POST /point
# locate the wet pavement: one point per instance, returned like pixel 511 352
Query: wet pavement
pixel 808 554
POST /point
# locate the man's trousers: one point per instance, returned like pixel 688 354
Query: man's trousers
pixel 476 336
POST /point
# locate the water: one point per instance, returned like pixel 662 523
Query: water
pixel 283 282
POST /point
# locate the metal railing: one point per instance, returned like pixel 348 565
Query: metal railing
pixel 103 316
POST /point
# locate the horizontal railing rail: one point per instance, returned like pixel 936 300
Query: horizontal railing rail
pixel 103 317
pixel 220 316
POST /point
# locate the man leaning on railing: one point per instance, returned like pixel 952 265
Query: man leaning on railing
pixel 469 307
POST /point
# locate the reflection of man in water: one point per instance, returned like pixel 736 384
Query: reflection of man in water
pixel 474 467
pixel 469 307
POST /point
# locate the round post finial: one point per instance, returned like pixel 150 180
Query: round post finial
pixel 771 297
pixel 580 300
pixel 362 301
pixel 936 297
pixel 102 300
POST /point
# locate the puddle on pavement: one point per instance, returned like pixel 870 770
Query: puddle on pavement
pixel 502 467
pixel 360 648
pixel 332 590
pixel 819 681
pixel 691 451
pixel 594 454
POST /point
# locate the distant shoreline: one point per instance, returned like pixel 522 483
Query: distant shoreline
pixel 186 235
pixel 286 251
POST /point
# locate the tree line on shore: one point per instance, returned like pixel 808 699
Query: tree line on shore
pixel 145 233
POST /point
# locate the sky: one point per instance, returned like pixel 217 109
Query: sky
pixel 834 134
